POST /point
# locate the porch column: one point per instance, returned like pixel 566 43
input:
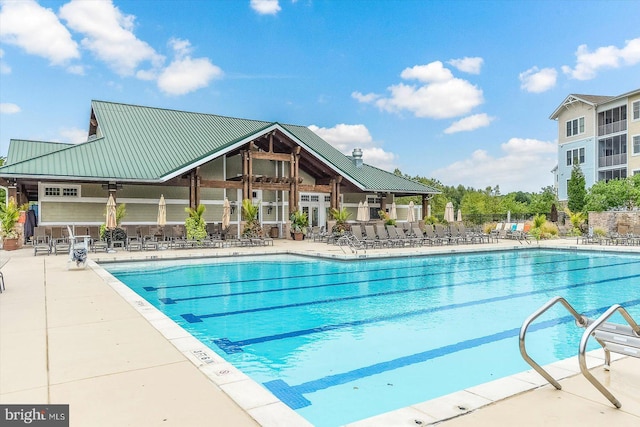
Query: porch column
pixel 293 201
pixel 245 175
pixel 425 205
pixel 332 199
pixel 383 203
pixel 12 191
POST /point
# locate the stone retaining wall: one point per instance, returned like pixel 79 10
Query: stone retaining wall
pixel 618 222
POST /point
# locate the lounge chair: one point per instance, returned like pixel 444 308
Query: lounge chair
pixel 431 235
pixel 371 235
pixel 441 233
pixel 417 233
pixel 356 230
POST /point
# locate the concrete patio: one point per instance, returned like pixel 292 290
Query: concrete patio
pixel 73 337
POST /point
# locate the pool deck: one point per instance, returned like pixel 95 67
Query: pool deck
pixel 78 337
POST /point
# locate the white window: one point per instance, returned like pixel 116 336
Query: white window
pixel 61 190
pixel 575 156
pixel 636 110
pixel 575 126
pixel 52 191
pixel 636 144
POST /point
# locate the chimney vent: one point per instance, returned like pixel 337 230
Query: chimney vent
pixel 357 157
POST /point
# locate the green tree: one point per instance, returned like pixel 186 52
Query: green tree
pixel 576 189
pixel 615 193
pixel 541 202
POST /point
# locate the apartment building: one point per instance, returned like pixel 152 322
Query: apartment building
pixel 599 133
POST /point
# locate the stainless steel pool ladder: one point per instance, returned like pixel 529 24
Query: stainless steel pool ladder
pixel 613 337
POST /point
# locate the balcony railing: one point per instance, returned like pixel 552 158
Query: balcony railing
pixel 613 160
pixel 614 127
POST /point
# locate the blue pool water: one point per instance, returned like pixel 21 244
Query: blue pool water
pixel 340 341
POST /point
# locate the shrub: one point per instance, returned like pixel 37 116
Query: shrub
pixel 195 225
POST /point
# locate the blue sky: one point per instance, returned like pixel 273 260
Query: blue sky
pixel 460 91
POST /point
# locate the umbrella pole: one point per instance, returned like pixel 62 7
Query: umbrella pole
pixel 110 248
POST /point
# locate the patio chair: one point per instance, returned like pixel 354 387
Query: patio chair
pixel 41 244
pixel 417 233
pixel 60 245
pixel 95 242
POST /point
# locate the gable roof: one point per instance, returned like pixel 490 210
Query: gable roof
pixel 594 100
pixel 147 144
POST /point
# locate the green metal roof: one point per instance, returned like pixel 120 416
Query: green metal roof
pixel 21 149
pixel 148 144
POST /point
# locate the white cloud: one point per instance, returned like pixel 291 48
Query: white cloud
pixel 588 63
pixel 432 72
pixel 537 81
pixel 186 74
pixel 8 108
pixel 73 135
pixel 347 137
pixel 76 69
pixel 265 7
pixel 37 30
pixel 370 97
pixel 441 96
pixel 470 123
pixel 4 68
pixel 468 65
pixel 524 166
pixel 109 35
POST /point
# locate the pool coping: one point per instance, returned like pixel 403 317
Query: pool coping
pixel 268 410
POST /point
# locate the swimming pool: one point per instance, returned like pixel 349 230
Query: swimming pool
pixel 341 341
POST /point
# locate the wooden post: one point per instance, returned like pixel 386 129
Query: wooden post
pixel 197 187
pixel 293 202
pixel 245 175
pixel 425 205
pixel 250 169
pixel 192 192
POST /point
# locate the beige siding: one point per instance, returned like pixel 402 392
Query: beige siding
pixel 234 166
pixel 574 111
pixel 213 169
pixel 72 212
pixel 306 178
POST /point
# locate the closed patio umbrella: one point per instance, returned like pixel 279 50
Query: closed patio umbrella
pixel 411 215
pixel 393 214
pixel 111 223
pixel 226 214
pixel 360 214
pixel 448 212
pixel 365 211
pixel 162 212
pixel 459 215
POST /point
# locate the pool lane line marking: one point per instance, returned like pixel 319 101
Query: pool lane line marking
pixel 192 318
pixel 334 273
pixel 169 300
pixel 293 396
pixel 231 347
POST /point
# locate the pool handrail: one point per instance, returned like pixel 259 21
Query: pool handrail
pixel 580 321
pixel 612 337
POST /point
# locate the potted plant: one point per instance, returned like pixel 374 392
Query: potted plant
pixel 8 219
pixel 299 224
pixel 252 228
pixel 195 225
pixel 340 216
